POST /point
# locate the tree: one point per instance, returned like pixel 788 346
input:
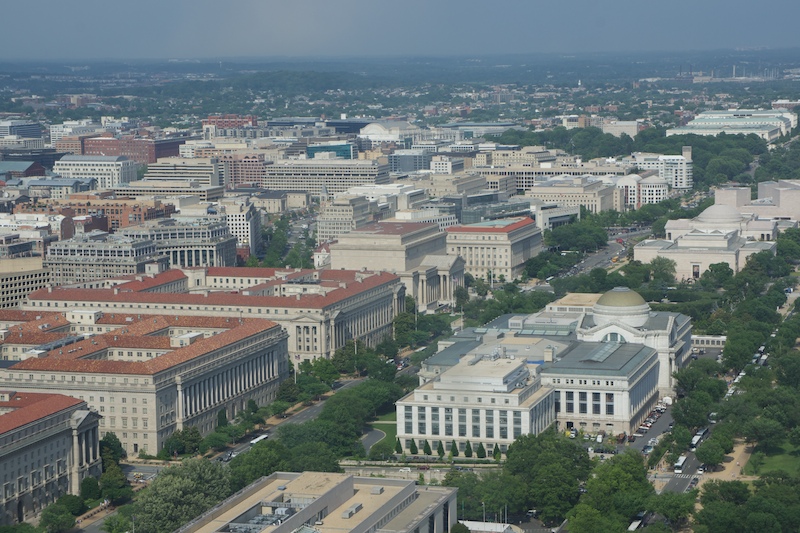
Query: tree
pixel 288 391
pixel 90 488
pixel 767 432
pixel 480 452
pixel 710 453
pixel 426 448
pixel 382 450
pixel 468 450
pixel 454 448
pixel 440 450
pixel 458 527
pixel 413 448
pixel 74 504
pixel 182 492
pixel 116 523
pixel 114 485
pixel 56 518
pixel 662 270
pixel 279 408
pixel 111 449
pixel 222 418
pixel 398 448
pixel 324 370
pixel 673 506
pixel 215 441
pixel 262 460
pixel 496 453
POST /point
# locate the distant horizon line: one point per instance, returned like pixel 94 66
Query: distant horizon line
pixel 334 58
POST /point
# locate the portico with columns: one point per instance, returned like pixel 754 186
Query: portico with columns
pixel 85 458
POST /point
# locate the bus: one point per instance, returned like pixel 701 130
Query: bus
pixel 678 468
pixel 258 439
pixel 695 441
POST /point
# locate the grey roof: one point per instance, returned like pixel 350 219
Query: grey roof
pixel 15 166
pixel 600 358
pixel 452 354
pixel 99 158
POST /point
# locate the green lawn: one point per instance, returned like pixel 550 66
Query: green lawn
pixel 787 458
pixel 388 417
pixel 389 429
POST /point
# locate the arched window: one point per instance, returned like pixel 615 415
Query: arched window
pixel 613 337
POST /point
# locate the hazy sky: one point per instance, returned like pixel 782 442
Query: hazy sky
pixel 112 29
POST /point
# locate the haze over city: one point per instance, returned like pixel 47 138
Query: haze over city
pixel 151 29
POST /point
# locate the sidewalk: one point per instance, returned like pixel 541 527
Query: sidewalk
pixel 731 468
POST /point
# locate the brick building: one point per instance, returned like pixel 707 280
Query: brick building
pixel 144 151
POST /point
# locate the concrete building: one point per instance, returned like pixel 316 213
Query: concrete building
pixel 594 195
pixel 316 502
pixel 528 176
pixel 720 234
pixel 442 164
pixel 244 221
pixel 551 215
pixel 415 252
pixel 618 128
pixel 439 185
pixel 346 213
pixel 633 191
pixel 188 241
pixel 143 151
pixel 495 248
pixel 777 200
pixel 335 175
pixel 485 399
pixel 70 128
pixel 23 128
pixel 98 255
pixel 443 220
pixel 169 189
pixel 19 276
pixel 203 171
pixel 676 169
pixel 107 171
pixel 49 443
pixel 409 160
pixel 769 124
pixel 149 378
pixel 238 169
pixel 321 310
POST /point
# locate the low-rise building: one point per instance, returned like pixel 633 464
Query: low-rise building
pixel 19 276
pixel 584 191
pixel 495 248
pixel 676 169
pixel 49 443
pixel 316 502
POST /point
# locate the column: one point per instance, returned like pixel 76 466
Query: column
pixel 181 412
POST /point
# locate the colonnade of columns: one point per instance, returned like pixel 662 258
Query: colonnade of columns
pixel 228 383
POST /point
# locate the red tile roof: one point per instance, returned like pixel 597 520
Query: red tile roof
pixel 74 357
pixel 476 228
pixel 305 301
pixel 148 282
pixel 30 407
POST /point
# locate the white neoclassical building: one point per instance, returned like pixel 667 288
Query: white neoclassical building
pixel 720 234
pixel 489 399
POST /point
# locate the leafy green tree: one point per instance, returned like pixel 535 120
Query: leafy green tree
pixel 584 518
pixel 288 391
pixel 222 418
pixel 619 486
pixel 116 523
pixel 458 527
pixel 454 448
pixel 413 448
pixel 215 441
pixel 73 503
pixel 56 518
pixel 675 507
pixel 324 370
pixel 766 431
pixel 663 270
pixel 111 449
pixel 114 485
pixel 398 448
pixel 496 455
pixel 278 408
pixel 382 450
pixel 426 448
pixel 180 493
pixel 440 450
pixel 90 488
pixel 710 453
pixel 262 460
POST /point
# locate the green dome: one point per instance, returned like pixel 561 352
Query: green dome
pixel 621 297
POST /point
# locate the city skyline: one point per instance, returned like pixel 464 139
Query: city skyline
pixel 252 28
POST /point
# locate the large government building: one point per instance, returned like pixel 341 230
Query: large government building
pixel 48 444
pixel 320 310
pixel 147 375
